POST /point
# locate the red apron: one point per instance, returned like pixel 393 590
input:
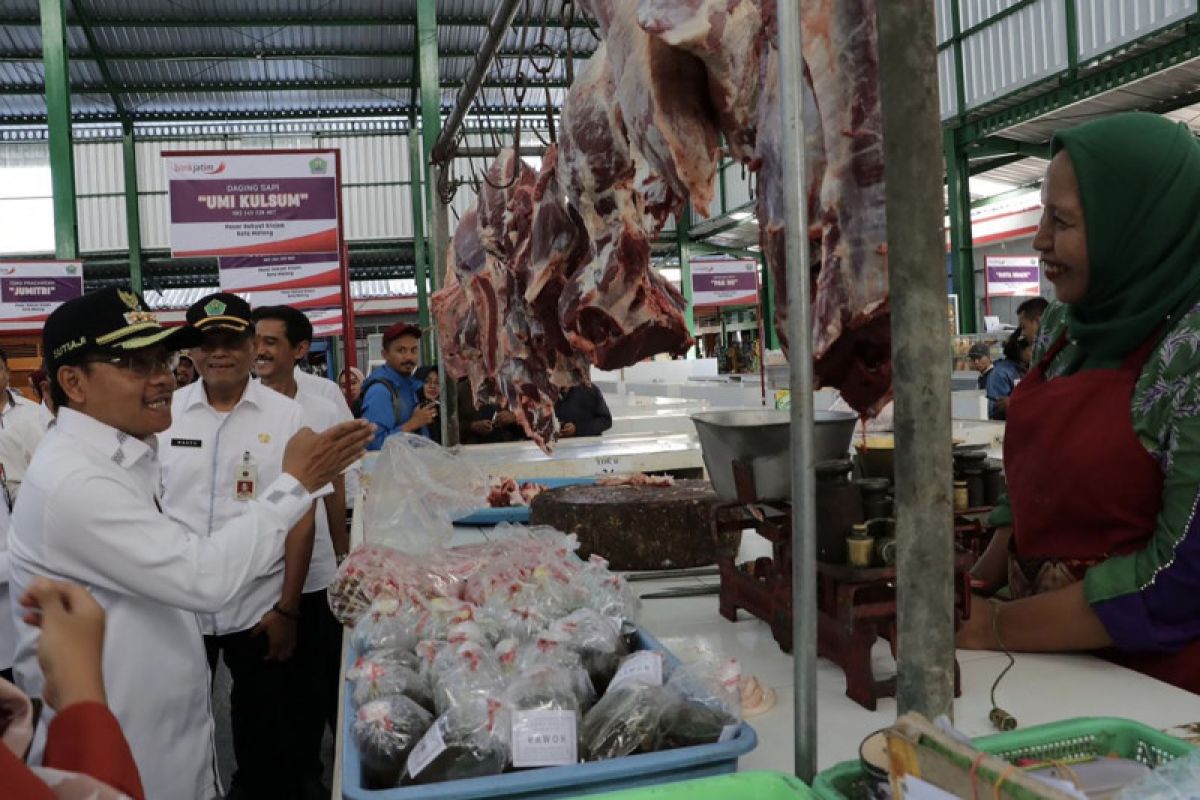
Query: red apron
pixel 1083 487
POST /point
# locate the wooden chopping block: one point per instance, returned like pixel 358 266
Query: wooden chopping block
pixel 639 527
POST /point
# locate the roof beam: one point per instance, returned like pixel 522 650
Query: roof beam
pixel 257 86
pixel 232 115
pixel 275 54
pixel 98 57
pixel 283 20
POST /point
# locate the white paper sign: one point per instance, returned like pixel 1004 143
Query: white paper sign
pixel 728 732
pixel 644 666
pixel 432 745
pixel 544 738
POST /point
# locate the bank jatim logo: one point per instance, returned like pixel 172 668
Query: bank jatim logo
pixel 198 167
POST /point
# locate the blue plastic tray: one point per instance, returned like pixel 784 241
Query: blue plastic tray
pixel 516 514
pixel 593 777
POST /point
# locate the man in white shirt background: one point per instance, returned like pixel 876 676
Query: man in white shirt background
pixel 89 512
pixel 282 336
pixel 13 404
pixel 224 445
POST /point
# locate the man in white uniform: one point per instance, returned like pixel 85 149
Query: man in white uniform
pixel 224 445
pixel 13 405
pixel 89 512
pixel 282 337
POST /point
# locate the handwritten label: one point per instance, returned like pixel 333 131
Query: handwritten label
pixel 432 744
pixel 644 666
pixel 612 465
pixel 544 738
pixel 728 732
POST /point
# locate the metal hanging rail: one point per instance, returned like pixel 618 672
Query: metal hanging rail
pixel 502 17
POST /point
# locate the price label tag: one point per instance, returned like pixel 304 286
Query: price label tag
pixel 611 465
pixel 544 738
pixel 644 666
pixel 432 745
pixel 728 732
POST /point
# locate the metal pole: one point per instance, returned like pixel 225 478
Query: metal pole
pixel 498 26
pixel 683 231
pixel 437 213
pixel 133 216
pixel 916 283
pixel 804 523
pixel 418 220
pixel 55 60
pixel 961 246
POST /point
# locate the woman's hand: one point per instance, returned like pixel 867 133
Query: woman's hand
pixel 71 646
pixel 991 570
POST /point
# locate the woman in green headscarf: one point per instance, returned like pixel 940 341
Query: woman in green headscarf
pixel 1102 446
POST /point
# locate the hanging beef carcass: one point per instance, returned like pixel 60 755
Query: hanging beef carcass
pixel 724 34
pixel 662 93
pixel 615 308
pixel 851 318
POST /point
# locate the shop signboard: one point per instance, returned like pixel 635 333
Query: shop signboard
pixel 722 281
pixel 31 290
pixel 270 273
pixel 253 202
pixel 1012 276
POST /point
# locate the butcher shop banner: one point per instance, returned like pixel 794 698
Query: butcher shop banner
pixel 724 282
pixel 326 322
pixel 304 298
pixel 253 202
pixel 1012 276
pixel 31 290
pixel 269 273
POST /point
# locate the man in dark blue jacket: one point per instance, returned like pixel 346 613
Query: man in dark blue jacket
pixel 389 397
pixel 582 412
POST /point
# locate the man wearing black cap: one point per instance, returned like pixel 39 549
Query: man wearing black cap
pixel 89 512
pixel 224 445
pixel 389 396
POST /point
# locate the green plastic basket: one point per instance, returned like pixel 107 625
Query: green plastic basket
pixel 736 786
pixel 1084 737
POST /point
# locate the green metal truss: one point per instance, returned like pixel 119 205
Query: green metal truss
pixel 282 20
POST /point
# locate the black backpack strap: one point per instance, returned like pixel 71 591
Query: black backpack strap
pixel 397 402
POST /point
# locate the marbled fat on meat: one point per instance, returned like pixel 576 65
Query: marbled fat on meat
pixel 662 93
pixel 724 35
pixel 616 308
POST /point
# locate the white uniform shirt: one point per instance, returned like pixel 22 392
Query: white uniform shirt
pixel 17 407
pixel 315 384
pixel 309 384
pixel 319 414
pixel 8 630
pixel 201 454
pixel 88 513
pixel 18 440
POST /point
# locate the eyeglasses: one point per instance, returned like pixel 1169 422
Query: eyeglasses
pixel 140 363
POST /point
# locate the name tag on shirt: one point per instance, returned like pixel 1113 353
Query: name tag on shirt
pixel 186 443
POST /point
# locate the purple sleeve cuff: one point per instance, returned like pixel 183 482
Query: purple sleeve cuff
pixel 1163 615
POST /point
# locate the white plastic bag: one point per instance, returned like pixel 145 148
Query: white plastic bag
pixel 417 491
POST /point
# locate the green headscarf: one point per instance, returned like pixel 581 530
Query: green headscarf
pixel 1139 179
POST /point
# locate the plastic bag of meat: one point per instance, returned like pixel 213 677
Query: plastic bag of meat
pixel 376 680
pixel 554 650
pixel 607 592
pixel 539 697
pixel 625 721
pixel 465 742
pixel 371 571
pixel 465 675
pixel 385 731
pixel 596 639
pixel 388 624
pixel 417 491
pixel 708 706
pixel 385 659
